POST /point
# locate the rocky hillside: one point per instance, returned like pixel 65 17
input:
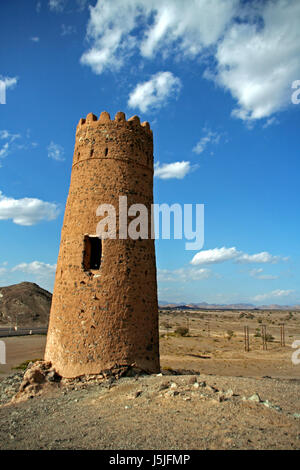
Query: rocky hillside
pixel 26 304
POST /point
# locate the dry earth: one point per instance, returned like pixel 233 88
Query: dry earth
pixel 232 400
pixel 24 304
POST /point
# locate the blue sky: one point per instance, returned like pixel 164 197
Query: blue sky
pixel 215 82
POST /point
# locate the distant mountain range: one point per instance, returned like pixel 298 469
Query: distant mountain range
pixel 241 306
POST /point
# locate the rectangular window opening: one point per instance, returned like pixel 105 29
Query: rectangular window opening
pixel 92 253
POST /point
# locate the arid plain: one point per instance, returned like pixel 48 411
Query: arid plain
pixel 212 394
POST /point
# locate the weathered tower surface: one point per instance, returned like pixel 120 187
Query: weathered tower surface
pixel 104 308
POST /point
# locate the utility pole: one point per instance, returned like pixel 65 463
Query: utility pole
pixel 264 336
pixel 282 335
pixel 246 336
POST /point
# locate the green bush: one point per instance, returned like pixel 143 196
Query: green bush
pixel 25 364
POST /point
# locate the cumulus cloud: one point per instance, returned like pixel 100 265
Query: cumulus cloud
pixel 35 39
pixel 253 46
pixel 209 137
pixel 26 211
pixel 56 152
pixel 220 255
pixel 216 255
pixel 275 294
pixel 155 92
pixel 177 170
pixel 167 27
pixel 258 60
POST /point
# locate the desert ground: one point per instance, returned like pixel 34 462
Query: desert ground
pixel 215 342
pixel 212 394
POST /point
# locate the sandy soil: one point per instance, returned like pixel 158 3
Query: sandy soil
pixel 166 412
pixel 208 349
pixel 233 400
pixel 20 349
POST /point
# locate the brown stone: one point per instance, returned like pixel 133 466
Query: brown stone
pixel 106 316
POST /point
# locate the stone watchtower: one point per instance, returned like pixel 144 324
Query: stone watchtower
pixel 104 309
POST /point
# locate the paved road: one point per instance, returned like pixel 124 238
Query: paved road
pixel 7 332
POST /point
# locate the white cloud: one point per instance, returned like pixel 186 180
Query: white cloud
pixel 254 46
pixel 220 255
pixel 38 7
pixel 36 267
pixel 37 271
pixel 258 63
pixel 57 5
pixel 273 121
pixel 258 273
pixel 209 137
pixel 183 274
pixel 7 147
pixel 8 143
pixel 26 211
pixel 275 294
pixel 35 39
pixel 192 29
pixel 6 135
pixel 177 170
pixel 216 255
pixel 167 28
pixel 155 92
pixel 263 257
pixel 56 152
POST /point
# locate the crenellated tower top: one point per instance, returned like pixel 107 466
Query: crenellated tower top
pixel 120 117
pixel 105 138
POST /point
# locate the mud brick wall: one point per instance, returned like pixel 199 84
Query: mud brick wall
pixel 109 316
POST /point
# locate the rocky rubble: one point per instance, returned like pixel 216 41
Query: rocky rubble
pixel 148 411
pixel 9 386
pixel 41 375
pixel 37 376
